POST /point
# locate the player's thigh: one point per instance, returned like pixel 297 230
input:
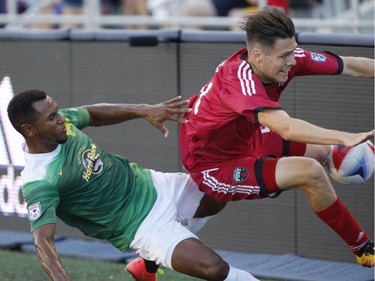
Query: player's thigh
pixel 178 195
pixel 156 240
pixel 237 179
pixel 178 198
pixel 297 172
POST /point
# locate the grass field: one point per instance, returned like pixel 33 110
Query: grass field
pixel 17 266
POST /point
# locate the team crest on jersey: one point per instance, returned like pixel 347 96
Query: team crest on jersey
pixel 317 57
pixel 34 211
pixel 91 161
pixel 240 174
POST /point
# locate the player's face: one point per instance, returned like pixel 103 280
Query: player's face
pixel 276 63
pixel 50 125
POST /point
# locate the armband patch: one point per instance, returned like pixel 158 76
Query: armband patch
pixel 317 57
pixel 34 211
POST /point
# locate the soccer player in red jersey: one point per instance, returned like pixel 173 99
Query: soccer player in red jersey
pixel 240 144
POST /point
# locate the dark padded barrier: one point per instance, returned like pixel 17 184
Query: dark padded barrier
pixel 312 38
pixel 116 72
pixel 163 35
pixel 88 66
pixel 335 39
pixel 212 36
pixel 33 34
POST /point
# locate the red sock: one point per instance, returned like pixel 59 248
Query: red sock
pixel 338 217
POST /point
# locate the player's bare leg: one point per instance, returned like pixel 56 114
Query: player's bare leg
pixel 193 258
pixel 307 174
pixel 318 152
pixel 209 207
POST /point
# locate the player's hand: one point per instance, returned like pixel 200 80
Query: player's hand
pixel 359 138
pixel 170 110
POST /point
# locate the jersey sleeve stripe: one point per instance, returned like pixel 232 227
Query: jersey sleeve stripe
pixel 244 74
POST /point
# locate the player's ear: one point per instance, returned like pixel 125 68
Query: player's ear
pixel 28 130
pixel 256 55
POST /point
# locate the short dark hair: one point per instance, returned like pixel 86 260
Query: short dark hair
pixel 21 108
pixel 267 25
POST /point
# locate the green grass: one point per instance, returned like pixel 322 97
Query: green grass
pixel 18 266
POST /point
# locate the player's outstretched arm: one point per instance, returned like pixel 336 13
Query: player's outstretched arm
pixel 358 67
pixel 108 114
pixel 48 257
pixel 293 129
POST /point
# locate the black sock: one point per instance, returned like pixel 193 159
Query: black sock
pixel 151 266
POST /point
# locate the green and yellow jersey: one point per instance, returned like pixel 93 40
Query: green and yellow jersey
pixel 100 193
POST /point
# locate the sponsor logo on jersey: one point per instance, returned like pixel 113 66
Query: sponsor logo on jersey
pixel 34 211
pixel 240 174
pixel 317 57
pixel 91 161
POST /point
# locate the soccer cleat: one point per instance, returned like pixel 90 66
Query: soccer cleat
pixel 137 268
pixel 365 255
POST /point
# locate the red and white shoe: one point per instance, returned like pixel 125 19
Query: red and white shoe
pixel 137 268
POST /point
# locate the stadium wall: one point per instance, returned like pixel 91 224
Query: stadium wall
pixel 79 67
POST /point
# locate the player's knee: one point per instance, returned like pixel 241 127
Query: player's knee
pixel 318 152
pixel 215 269
pixel 314 173
pixel 325 151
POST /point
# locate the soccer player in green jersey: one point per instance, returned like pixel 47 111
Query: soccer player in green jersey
pixel 67 175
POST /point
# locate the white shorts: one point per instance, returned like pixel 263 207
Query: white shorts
pixel 178 198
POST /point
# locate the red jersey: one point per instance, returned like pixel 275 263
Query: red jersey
pixel 223 122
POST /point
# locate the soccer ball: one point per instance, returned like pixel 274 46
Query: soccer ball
pixel 351 165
